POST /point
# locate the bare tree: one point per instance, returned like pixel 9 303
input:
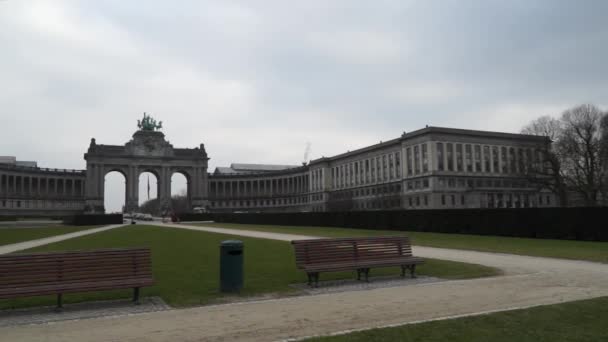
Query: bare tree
pixel 580 150
pixel 604 155
pixel 548 174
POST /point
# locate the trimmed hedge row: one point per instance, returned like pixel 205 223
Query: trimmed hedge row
pixel 94 219
pixel 8 218
pixel 543 223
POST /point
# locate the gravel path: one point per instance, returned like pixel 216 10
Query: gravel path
pixel 528 281
pixel 52 239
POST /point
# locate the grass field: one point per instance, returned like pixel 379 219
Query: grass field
pixel 13 235
pixel 578 250
pixel 186 266
pixel 574 321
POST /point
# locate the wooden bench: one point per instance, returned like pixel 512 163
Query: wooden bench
pixel 360 254
pixel 37 274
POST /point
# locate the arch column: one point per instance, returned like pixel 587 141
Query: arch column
pixel 132 189
pixel 164 189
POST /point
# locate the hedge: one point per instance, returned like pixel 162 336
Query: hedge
pixel 581 223
pixel 94 219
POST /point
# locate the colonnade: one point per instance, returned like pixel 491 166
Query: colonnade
pixel 243 188
pixel 68 184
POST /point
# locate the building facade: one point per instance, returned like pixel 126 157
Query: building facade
pixel 28 190
pixel 431 168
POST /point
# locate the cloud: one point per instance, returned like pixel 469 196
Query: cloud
pixel 255 81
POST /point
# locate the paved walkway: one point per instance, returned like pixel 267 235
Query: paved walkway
pixel 52 239
pixel 239 232
pixel 528 281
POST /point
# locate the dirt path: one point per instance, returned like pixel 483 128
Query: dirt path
pixel 528 281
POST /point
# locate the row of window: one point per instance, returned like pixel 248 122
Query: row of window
pixel 44 186
pixel 258 187
pixel 517 200
pixel 485 158
pixel 376 169
pixel 370 191
pixel 260 203
pixel 40 204
pixel 482 183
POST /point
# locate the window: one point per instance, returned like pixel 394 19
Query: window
pixel 503 158
pixel 416 159
pixel 453 200
pixel 397 165
pixel 513 166
pixel 426 200
pixel 442 199
pixel 425 183
pixel 440 156
pixel 425 159
pixel 450 157
pixel 469 158
pixel 408 153
pixel 520 160
pixel 486 158
pixel 462 199
pixel 495 158
pixel 477 158
pixel 384 168
pixel 459 157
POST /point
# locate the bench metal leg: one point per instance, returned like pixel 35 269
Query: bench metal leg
pixel 59 307
pixel 403 267
pixel 136 295
pixel 413 271
pixel 313 276
pixel 359 271
pixel 366 270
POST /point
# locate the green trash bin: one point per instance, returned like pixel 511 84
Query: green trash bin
pixel 231 266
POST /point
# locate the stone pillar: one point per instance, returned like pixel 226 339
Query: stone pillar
pixel 132 189
pixel 164 189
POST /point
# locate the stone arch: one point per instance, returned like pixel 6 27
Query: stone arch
pixel 148 151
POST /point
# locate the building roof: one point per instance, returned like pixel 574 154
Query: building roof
pixel 240 168
pixel 11 160
pixel 440 130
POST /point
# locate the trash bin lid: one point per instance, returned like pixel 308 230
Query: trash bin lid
pixel 232 243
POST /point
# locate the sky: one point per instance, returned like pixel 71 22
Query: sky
pixel 255 81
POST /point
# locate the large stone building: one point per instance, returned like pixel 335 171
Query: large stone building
pixel 431 168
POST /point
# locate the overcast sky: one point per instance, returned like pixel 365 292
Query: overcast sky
pixel 255 83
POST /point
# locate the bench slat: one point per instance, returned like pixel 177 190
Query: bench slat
pixel 318 255
pixel 74 271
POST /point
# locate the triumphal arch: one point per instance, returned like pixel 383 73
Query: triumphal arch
pixel 148 151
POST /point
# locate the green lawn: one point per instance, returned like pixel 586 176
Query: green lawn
pixel 574 321
pixel 186 266
pixel 13 235
pixel 578 250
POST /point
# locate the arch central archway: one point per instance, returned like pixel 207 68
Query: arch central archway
pixel 115 191
pixel 147 151
pixel 180 192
